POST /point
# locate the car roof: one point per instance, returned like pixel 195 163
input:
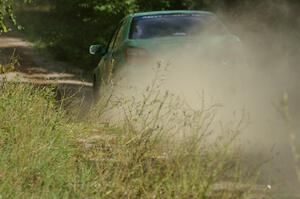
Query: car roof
pixel 140 14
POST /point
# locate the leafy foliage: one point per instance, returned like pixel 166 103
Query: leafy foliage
pixel 6 10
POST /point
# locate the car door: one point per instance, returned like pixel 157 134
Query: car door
pixel 106 62
pixel 115 52
pixel 104 68
pixel 109 60
pixel 118 51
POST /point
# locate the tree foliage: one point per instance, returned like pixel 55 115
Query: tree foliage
pixel 7 14
pixel 6 9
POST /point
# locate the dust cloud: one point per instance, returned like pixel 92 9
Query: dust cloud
pixel 258 81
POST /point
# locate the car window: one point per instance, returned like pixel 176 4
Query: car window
pixel 169 25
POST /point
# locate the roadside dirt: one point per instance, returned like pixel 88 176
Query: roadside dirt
pixel 39 68
pixel 36 67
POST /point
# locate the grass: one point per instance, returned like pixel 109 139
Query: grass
pixel 45 154
pixel 37 151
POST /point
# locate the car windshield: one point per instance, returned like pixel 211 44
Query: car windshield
pixel 170 25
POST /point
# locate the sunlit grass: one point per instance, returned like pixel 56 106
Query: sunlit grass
pixel 45 154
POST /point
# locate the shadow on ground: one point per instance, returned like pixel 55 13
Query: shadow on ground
pixel 33 67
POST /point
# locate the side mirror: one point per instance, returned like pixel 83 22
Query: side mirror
pixel 97 49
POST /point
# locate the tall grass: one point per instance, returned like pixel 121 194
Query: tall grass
pixel 44 154
pixel 38 155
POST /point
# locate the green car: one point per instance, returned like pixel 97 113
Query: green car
pixel 141 37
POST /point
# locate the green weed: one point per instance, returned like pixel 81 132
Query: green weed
pixel 11 64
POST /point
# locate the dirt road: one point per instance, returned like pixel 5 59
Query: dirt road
pixel 35 66
pixel 40 68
